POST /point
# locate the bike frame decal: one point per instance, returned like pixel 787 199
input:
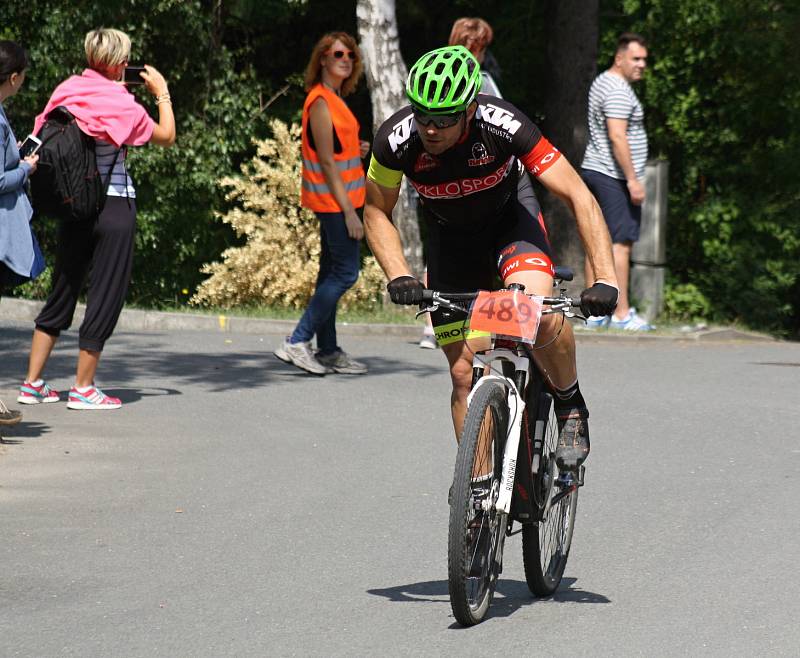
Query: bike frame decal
pixel 456 331
pixel 507 313
pixel 516 406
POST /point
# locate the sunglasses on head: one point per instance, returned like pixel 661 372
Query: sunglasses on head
pixel 338 54
pixel 438 120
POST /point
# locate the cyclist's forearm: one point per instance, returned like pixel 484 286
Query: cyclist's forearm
pixel 594 235
pixel 384 241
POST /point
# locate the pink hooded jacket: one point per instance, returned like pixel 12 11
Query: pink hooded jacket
pixel 103 109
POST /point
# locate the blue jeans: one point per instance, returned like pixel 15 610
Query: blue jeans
pixel 339 264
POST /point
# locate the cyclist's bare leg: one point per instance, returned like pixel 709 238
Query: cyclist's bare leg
pixel 459 358
pixel 555 342
pixel 555 357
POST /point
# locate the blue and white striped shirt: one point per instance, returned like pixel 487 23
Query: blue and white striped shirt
pixel 611 97
pixel 121 183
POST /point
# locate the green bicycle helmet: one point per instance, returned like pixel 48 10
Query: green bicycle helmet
pixel 444 81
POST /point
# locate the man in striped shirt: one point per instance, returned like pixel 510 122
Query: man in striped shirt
pixel 613 166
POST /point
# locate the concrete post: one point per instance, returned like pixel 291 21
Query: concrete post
pixel 649 254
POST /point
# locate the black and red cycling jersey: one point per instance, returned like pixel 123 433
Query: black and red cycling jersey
pixel 469 184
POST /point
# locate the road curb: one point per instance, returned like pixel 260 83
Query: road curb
pixel 23 310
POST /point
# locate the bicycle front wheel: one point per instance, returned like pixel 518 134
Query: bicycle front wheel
pixel 477 531
pixel 546 544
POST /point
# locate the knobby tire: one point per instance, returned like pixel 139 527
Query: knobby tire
pixel 546 544
pixel 475 540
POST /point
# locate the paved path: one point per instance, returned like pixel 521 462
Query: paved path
pixel 235 506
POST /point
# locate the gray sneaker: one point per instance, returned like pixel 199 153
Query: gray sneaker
pixel 300 355
pixel 341 362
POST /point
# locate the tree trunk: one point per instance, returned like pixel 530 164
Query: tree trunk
pixel 386 77
pixel 572 39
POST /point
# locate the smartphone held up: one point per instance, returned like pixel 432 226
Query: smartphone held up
pixel 133 75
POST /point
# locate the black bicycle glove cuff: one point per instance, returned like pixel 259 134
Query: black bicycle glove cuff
pixel 601 299
pixel 405 290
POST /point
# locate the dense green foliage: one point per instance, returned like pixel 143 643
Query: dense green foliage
pixel 722 99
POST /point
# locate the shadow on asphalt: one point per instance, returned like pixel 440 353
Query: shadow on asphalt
pixel 133 360
pixel 509 596
pixel 26 429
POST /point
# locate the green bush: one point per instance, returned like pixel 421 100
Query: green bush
pixel 683 302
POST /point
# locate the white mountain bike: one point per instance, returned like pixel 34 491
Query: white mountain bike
pixel 506 468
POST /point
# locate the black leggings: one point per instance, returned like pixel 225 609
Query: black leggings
pixel 103 249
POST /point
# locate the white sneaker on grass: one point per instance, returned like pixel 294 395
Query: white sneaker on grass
pixel 598 322
pixel 631 322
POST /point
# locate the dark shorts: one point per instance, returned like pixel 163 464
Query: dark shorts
pixel 463 261
pixel 622 217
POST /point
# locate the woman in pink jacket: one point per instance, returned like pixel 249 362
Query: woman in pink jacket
pixel 100 249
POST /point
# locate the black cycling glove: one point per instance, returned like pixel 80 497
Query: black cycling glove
pixel 600 299
pixel 405 290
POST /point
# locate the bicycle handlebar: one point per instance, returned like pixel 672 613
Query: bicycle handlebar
pixel 446 299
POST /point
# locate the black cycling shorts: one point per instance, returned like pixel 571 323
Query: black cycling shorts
pixel 461 261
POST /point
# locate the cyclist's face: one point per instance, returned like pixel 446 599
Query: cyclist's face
pixel 632 61
pixel 437 140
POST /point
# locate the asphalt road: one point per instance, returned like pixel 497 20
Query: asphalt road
pixel 237 507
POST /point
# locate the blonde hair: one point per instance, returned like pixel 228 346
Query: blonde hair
pixel 313 74
pixel 106 48
pixel 473 33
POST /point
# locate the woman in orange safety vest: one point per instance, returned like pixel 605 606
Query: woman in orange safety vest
pixel 334 188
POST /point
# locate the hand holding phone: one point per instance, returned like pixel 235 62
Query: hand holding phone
pixel 132 75
pixel 29 147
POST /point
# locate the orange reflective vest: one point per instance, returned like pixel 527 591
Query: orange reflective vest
pixel 315 194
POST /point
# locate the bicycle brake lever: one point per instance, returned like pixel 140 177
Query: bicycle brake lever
pixel 429 309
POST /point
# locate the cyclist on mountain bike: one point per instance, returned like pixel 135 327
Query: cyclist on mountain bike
pixel 464 153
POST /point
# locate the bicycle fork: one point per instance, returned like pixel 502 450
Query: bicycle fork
pixel 516 407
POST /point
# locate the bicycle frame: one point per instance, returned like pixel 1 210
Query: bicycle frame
pixel 516 406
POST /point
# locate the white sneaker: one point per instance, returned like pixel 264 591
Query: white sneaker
pixel 631 322
pixel 300 355
pixel 428 342
pixel 597 322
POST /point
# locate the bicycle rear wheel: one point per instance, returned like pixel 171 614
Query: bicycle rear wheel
pixel 476 530
pixel 546 544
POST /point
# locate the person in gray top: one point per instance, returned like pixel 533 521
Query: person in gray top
pixel 613 166
pixel 20 258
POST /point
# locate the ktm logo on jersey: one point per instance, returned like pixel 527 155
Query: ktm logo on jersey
pixel 499 117
pixel 401 132
pixel 425 162
pixel 479 156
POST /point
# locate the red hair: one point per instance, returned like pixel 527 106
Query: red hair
pixel 473 33
pixel 313 74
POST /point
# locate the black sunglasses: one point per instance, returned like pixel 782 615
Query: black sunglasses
pixel 338 54
pixel 438 120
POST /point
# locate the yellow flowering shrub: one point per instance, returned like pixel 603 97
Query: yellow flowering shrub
pixel 278 264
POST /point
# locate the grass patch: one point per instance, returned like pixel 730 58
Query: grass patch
pixel 388 315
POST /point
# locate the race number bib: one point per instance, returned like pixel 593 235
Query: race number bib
pixel 508 313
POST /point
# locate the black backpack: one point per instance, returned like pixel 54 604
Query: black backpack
pixel 66 183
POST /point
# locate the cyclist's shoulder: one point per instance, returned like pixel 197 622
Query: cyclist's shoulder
pixel 396 133
pixel 502 118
